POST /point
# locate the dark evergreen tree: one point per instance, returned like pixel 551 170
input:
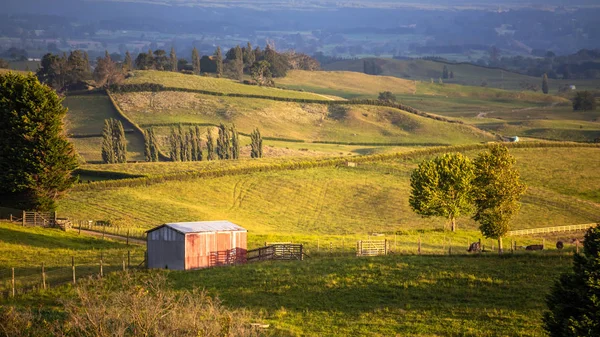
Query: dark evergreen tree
pixel 451 74
pixel 119 141
pixel 195 61
pixel 144 61
pixel 86 59
pixel 545 83
pixel 574 301
pixel 256 144
pixel 235 143
pixel 175 148
pixel 108 150
pixel 445 73
pixel 182 144
pixel 278 63
pixel 161 61
pixel 210 146
pixel 248 56
pixel 219 61
pixel 36 159
pixel 239 63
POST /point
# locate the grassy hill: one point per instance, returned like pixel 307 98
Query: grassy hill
pixel 338 201
pixel 85 121
pixel 465 74
pixel 220 85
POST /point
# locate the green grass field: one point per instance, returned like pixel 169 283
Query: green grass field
pixel 221 85
pixel 335 201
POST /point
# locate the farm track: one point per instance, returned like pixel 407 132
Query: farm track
pixel 113 237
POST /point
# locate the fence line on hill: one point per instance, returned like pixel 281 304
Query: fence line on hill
pixel 48 274
pixel 555 229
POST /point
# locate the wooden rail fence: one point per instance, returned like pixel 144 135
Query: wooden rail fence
pixel 555 229
pixel 287 251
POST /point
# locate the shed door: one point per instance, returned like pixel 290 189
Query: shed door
pixel 223 247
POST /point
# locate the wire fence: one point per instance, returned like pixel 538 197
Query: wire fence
pixel 555 229
pixel 20 280
pixel 107 228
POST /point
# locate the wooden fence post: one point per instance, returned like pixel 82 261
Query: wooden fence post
pixel 103 231
pixel 577 246
pixel 101 271
pixel 43 276
pixel 123 264
pixel 23 220
pixel 419 248
pixel 385 247
pixel 79 227
pixel 128 236
pixel 480 246
pixel 13 282
pixel 73 268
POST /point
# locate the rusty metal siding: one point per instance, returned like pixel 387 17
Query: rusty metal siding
pixel 197 250
pixel 166 249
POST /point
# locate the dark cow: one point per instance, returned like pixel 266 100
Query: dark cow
pixel 534 247
pixel 474 247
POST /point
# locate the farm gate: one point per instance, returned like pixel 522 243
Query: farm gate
pixel 372 247
pixel 286 251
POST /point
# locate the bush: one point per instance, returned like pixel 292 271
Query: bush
pixel 574 302
pixel 584 101
pixel 130 304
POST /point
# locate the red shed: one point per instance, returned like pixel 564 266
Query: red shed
pixel 194 245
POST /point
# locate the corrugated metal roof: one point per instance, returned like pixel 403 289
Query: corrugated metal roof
pixel 202 226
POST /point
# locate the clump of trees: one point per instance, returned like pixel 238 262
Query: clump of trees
pixel 114 144
pixel 584 101
pixel 35 157
pixel 256 144
pixel 186 145
pixel 107 72
pixel 574 302
pixel 151 151
pixel 228 144
pixel 452 185
pixel 62 72
pixel 386 96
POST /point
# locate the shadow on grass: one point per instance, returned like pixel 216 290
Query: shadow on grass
pixel 54 238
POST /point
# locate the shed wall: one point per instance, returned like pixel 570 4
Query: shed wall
pixel 166 249
pixel 214 248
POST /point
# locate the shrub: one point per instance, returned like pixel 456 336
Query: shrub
pixel 584 100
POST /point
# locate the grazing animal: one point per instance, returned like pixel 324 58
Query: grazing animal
pixel 560 245
pixel 474 247
pixel 534 247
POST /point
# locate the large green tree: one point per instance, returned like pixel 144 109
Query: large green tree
pixel 210 145
pixel 442 187
pixel 36 160
pixel 497 190
pixel 574 301
pixel 114 144
pixel 173 60
pixel 195 61
pixel 545 88
pixel 256 144
pixel 235 143
pixel 584 101
pixel 239 63
pixel 219 61
pixel 223 143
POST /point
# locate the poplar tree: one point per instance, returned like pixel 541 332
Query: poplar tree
pixel 195 61
pixel 210 145
pixel 219 61
pixel 175 149
pixel 36 160
pixel 235 143
pixel 545 83
pixel 223 143
pixel 256 144
pixel 199 155
pixel 128 63
pixel 147 146
pixel 181 143
pixel 108 151
pixel 153 146
pixel 173 60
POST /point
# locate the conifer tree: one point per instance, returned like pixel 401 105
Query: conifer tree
pixel 173 60
pixel 223 143
pixel 195 61
pixel 235 143
pixel 219 61
pixel 445 73
pixel 35 157
pixel 108 151
pixel 249 56
pixel 86 59
pixel 239 63
pixel 210 145
pixel 181 143
pixel 256 144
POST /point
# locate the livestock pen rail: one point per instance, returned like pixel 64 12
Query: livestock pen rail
pixel 280 251
pixel 555 229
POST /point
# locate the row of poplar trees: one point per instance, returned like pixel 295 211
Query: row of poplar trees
pixel 114 146
pixel 186 145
